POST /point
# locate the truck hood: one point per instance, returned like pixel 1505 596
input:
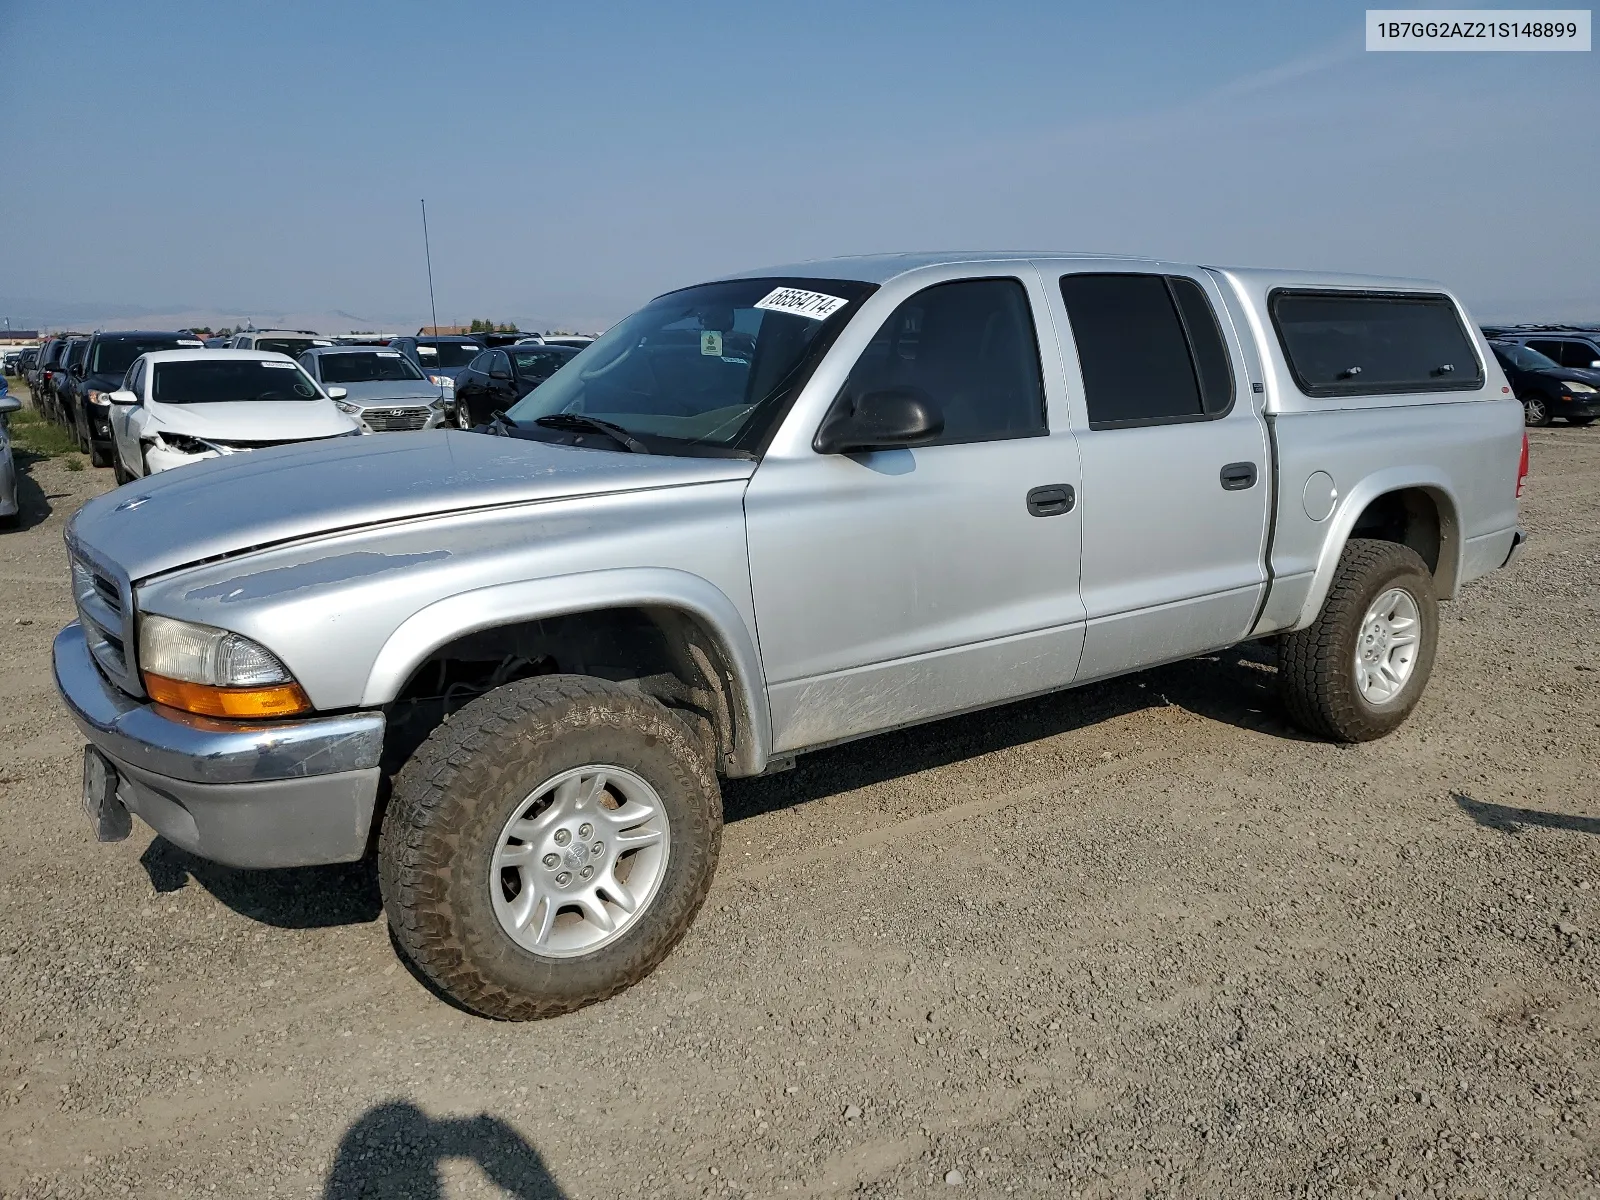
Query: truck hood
pixel 228 505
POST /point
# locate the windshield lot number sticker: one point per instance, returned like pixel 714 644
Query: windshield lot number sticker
pixel 801 303
pixel 279 365
pixel 711 343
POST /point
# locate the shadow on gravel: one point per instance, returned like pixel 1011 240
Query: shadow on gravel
pixel 33 506
pixel 290 898
pixel 1236 686
pixel 395 1149
pixel 1513 820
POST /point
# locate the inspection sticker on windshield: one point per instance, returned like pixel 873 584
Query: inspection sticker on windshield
pixel 801 303
pixel 187 342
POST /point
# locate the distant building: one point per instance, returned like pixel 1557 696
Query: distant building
pixel 443 330
pixel 18 337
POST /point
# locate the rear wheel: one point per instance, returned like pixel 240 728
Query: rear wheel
pixel 549 846
pixel 1357 672
pixel 1535 411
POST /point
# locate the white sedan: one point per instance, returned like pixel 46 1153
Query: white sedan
pixel 181 406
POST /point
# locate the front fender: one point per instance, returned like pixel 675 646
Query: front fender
pixel 529 600
pixel 1379 483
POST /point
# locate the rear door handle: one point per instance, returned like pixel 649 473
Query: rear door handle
pixel 1051 500
pixel 1236 477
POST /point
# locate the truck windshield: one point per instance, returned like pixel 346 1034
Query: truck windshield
pixel 229 381
pixel 712 365
pixel 367 366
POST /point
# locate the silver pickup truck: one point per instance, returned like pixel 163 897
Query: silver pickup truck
pixel 763 515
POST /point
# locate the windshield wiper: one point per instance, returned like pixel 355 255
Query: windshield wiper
pixel 582 421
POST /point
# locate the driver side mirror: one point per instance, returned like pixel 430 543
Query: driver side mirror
pixel 77 370
pixel 888 420
pixel 499 372
pixel 9 404
pixel 123 397
pixel 338 393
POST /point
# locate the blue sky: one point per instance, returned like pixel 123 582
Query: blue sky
pixel 579 158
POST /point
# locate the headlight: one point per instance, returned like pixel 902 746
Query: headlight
pixel 98 397
pixel 185 443
pixel 1575 387
pixel 443 381
pixel 345 406
pixel 213 672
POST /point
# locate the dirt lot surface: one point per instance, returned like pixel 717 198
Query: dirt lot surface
pixel 1141 939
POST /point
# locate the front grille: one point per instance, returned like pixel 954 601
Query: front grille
pixel 394 420
pixel 105 608
pixel 107 591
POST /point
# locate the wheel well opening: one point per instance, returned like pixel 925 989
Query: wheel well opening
pixel 664 652
pixel 1412 517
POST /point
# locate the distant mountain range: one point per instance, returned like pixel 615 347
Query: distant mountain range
pixel 51 315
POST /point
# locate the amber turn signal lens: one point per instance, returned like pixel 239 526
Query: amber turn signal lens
pixel 281 700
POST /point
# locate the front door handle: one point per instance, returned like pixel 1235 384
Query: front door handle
pixel 1051 500
pixel 1237 477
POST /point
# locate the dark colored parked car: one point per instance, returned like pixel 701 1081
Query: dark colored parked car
pixel 1546 388
pixel 27 360
pixel 497 379
pixel 106 359
pixel 41 378
pixel 64 396
pixel 1566 345
pixel 441 358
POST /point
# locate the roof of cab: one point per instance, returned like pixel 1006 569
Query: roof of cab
pixel 880 268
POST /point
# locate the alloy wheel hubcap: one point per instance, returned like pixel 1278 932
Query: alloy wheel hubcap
pixel 579 861
pixel 1386 646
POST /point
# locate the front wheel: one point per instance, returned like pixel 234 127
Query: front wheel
pixel 1357 672
pixel 1535 411
pixel 1580 421
pixel 463 417
pixel 549 845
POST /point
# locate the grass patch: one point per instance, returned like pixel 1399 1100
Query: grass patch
pixel 32 434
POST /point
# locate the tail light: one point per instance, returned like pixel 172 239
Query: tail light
pixel 1522 467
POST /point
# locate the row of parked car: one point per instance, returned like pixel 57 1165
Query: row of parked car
pixel 1553 369
pixel 142 401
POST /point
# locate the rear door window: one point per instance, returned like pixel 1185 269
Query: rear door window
pixel 1372 343
pixel 1149 347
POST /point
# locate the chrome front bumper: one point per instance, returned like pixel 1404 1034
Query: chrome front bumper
pixel 270 794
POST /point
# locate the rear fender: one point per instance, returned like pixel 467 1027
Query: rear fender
pixel 1343 521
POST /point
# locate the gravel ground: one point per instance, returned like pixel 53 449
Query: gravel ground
pixel 1141 939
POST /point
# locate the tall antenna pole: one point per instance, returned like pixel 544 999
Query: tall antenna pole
pixel 428 252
